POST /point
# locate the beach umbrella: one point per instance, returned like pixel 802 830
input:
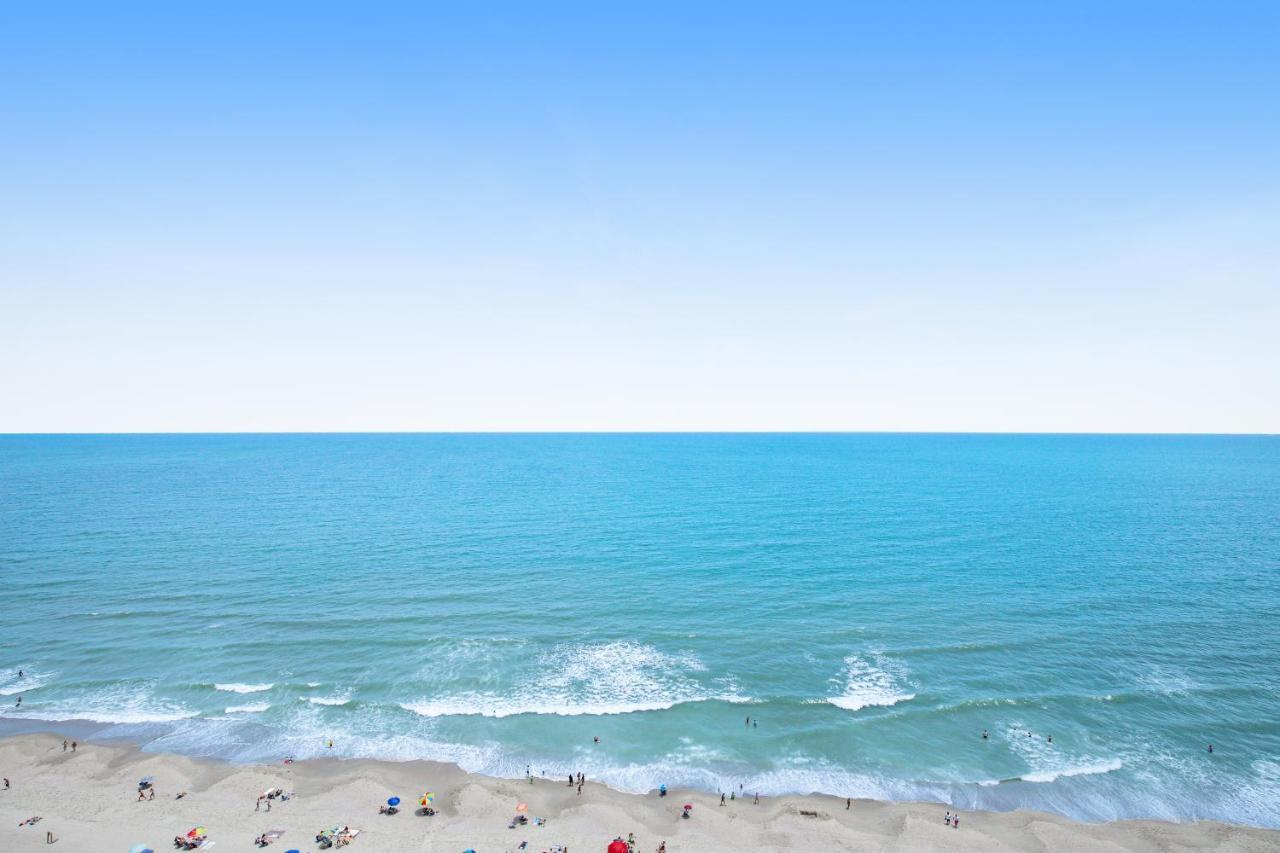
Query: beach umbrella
pixel 427 799
pixel 522 807
pixel 617 846
pixel 394 801
pixel 198 832
pixel 145 781
pixel 140 848
pixel 688 806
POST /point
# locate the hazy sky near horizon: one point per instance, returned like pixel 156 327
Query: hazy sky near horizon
pixel 916 216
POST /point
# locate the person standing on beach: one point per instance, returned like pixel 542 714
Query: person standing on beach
pixel 6 783
pixel 722 798
pixel 848 803
pixel 64 746
pixel 73 746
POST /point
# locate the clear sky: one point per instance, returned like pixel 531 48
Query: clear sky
pixel 915 216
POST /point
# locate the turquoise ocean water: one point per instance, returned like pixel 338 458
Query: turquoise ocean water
pixel 873 601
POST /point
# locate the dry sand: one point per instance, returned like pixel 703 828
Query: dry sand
pixel 89 801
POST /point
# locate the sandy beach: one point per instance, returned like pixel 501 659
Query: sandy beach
pixel 89 801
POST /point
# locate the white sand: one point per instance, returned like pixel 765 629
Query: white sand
pixel 88 800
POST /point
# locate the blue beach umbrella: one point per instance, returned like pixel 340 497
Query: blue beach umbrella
pixel 140 848
pixel 394 801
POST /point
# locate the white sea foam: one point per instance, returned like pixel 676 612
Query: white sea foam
pixel 870 680
pixel 248 709
pixel 119 704
pixel 243 688
pixel 12 685
pixel 328 700
pixel 590 679
pixel 491 706
pixel 1079 770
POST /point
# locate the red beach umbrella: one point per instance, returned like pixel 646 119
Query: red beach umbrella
pixel 617 846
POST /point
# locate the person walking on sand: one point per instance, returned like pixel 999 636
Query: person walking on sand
pixel 955 822
pixel 73 746
pixel 848 803
pixel 757 800
pixel 722 798
pixel 64 746
pixel 946 818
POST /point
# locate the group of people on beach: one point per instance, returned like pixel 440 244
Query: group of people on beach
pixel 578 779
pixel 268 796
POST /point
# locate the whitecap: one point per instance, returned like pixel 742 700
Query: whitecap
pixel 248 709
pixel 236 687
pixel 620 677
pixel 876 681
pixel 1079 770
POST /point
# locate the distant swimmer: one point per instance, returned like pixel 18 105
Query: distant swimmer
pixel 984 734
pixel 19 673
pixel 748 721
pixel 18 703
pixel 1210 749
pixel 329 745
pixel 755 724
pixel 1050 738
pixel 597 739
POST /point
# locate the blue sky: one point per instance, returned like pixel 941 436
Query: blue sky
pixel 551 216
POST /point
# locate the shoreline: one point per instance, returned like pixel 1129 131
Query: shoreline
pixel 88 799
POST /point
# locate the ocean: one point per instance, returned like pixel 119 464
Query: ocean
pixel 872 603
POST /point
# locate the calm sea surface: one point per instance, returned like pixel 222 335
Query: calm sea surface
pixel 872 602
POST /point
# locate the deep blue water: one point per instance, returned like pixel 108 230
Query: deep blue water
pixel 873 601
